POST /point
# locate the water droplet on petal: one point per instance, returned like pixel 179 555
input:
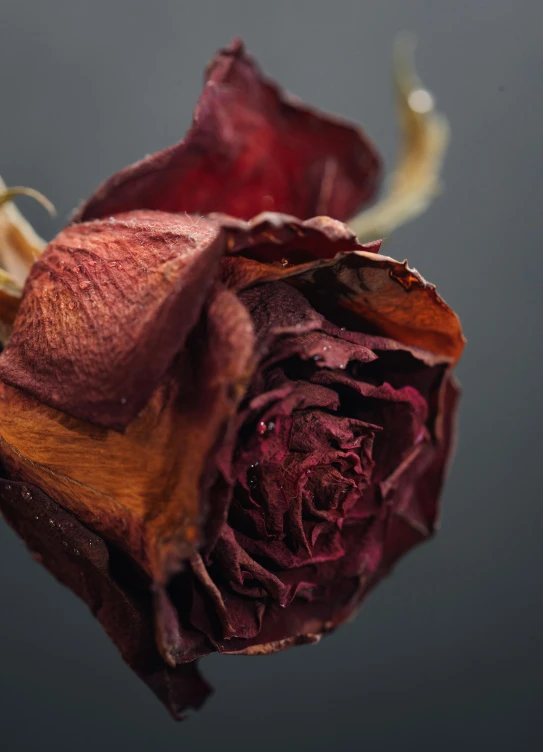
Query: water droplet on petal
pixel 252 479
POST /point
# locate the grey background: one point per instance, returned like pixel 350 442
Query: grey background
pixel 446 654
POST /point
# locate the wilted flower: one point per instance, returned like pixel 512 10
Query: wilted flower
pixel 222 416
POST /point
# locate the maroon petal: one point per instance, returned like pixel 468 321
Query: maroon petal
pixel 418 489
pixel 105 311
pixel 408 518
pixel 250 149
pixel 116 594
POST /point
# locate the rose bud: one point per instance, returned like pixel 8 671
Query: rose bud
pixel 224 415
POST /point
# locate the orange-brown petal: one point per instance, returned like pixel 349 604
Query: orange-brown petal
pixel 350 283
pixel 144 489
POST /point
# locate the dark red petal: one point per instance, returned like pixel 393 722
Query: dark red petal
pixel 117 595
pixel 414 507
pixel 105 311
pixel 250 149
pixel 418 490
pixel 300 623
pixel 343 441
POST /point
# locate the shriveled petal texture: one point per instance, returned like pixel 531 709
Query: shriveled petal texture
pixel 105 311
pixel 415 511
pixel 342 443
pixel 106 580
pixel 250 149
pixel 144 490
pixel 20 245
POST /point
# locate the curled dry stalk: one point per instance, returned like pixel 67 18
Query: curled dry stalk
pixel 20 246
pixel 425 135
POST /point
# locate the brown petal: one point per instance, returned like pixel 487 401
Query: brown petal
pixel 100 576
pixel 385 297
pixel 349 283
pixel 250 149
pixel 144 490
pixel 106 309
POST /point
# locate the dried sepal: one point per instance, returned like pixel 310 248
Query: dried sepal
pixel 425 136
pixel 20 245
pixel 8 194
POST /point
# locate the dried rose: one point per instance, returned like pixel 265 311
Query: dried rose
pixel 247 415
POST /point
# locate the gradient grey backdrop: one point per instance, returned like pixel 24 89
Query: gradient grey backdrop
pixel 447 654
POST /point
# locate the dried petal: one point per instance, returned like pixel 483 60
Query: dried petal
pixel 144 490
pixel 105 311
pixel 113 590
pixel 337 471
pixel 348 281
pixel 250 149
